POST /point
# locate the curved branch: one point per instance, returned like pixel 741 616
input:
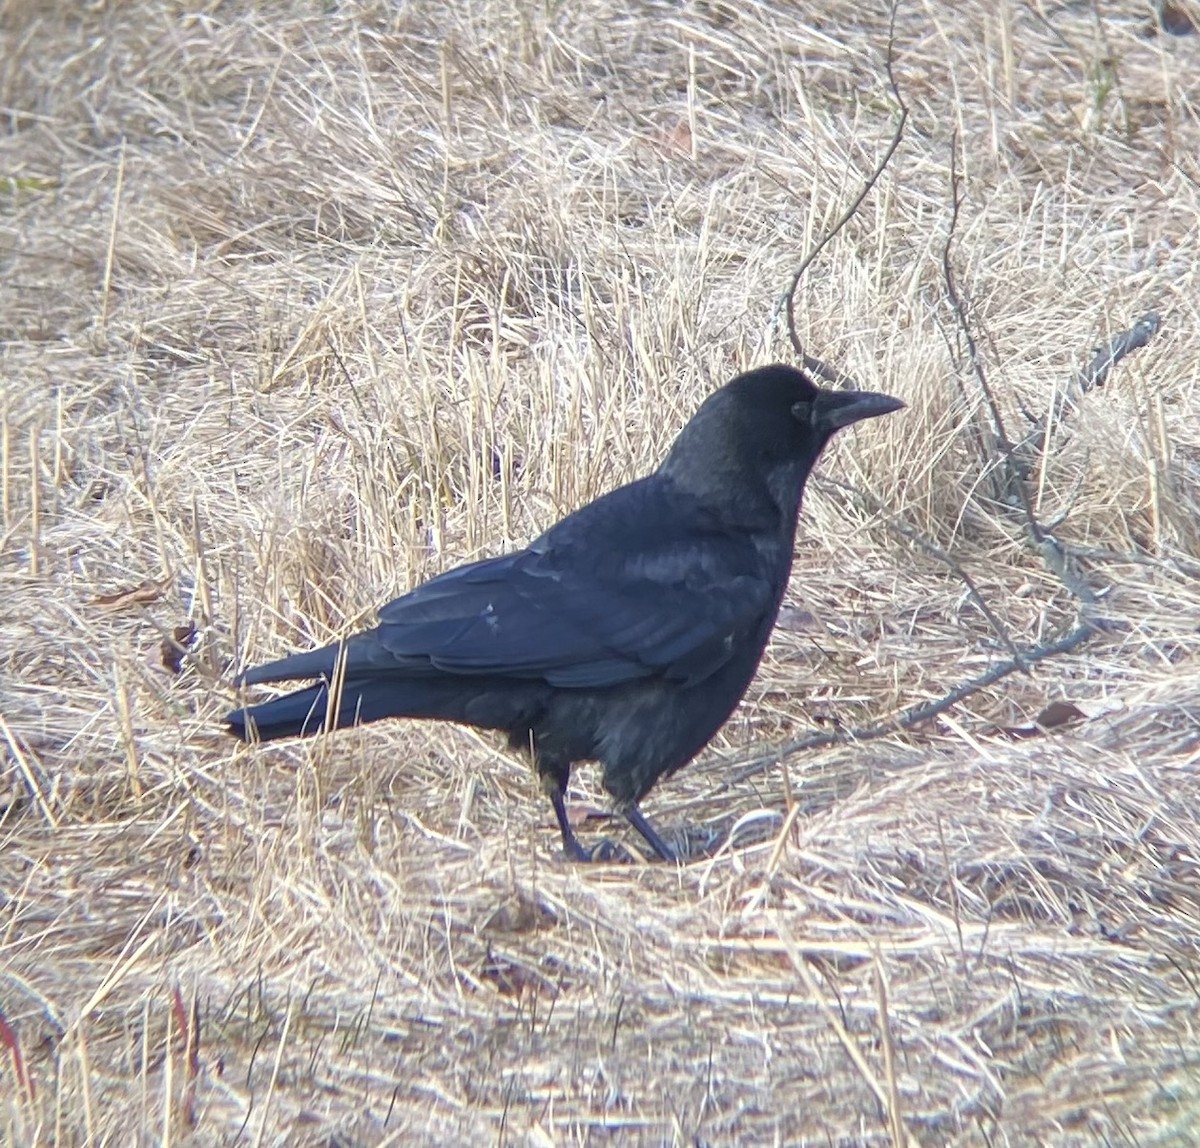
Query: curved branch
pixel 813 364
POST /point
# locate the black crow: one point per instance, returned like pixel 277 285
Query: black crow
pixel 626 634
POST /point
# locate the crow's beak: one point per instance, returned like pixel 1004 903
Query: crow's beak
pixel 836 409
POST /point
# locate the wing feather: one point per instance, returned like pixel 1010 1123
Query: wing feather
pixel 540 614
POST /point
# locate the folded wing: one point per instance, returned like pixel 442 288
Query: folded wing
pixel 535 615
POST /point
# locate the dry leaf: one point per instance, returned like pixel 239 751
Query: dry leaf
pixel 674 138
pixel 1174 20
pixel 141 595
pixel 1059 713
pixel 174 647
pixel 517 913
pixel 507 976
pixel 821 714
pixel 1053 716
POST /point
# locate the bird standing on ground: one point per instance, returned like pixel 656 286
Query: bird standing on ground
pixel 626 634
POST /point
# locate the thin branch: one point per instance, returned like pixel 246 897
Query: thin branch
pixel 913 535
pixel 1001 454
pixel 915 715
pixel 1095 374
pixel 1055 557
pixel 1015 480
pixel 814 364
pixel 969 425
pixel 1172 564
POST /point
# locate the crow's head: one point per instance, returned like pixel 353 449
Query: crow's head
pixel 782 408
pixel 758 437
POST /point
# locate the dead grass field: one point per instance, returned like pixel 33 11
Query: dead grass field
pixel 302 303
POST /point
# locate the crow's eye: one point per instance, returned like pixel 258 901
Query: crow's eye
pixel 805 413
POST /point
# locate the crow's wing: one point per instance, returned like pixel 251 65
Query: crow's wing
pixel 586 615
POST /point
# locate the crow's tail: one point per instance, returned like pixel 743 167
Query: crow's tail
pixel 303 713
pixel 479 701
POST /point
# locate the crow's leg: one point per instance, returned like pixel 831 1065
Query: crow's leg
pixel 634 816
pixel 604 851
pixel 554 775
pixel 571 846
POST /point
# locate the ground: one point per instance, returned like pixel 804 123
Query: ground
pixel 303 303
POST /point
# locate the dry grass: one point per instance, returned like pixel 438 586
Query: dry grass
pixel 302 303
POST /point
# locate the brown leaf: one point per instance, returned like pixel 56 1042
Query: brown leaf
pixel 1059 713
pixel 1173 19
pixel 174 647
pixel 674 138
pixel 1052 716
pixel 517 913
pixel 141 595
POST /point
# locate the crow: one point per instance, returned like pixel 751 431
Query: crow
pixel 626 634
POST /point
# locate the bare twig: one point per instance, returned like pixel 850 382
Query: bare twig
pixel 1055 557
pixel 826 372
pixel 913 535
pixel 914 715
pixel 1015 480
pixel 1095 374
pixel 1173 564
